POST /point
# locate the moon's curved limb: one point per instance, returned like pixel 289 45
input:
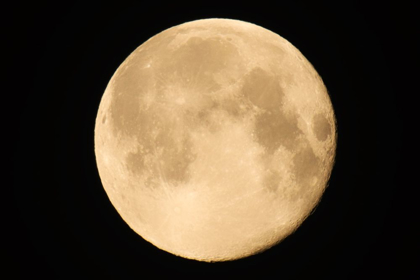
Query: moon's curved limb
pixel 215 139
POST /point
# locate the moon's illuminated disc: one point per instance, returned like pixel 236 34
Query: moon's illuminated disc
pixel 215 139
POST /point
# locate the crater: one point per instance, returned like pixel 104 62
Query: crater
pixel 321 127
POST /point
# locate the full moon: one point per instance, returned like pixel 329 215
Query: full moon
pixel 215 139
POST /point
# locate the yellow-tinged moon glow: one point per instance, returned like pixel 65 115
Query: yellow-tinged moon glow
pixel 215 139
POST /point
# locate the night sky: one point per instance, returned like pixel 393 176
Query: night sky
pixel 58 219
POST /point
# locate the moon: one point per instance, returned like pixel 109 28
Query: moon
pixel 215 139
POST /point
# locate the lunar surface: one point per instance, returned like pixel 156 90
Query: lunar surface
pixel 215 139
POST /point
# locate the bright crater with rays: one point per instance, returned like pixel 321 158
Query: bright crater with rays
pixel 215 139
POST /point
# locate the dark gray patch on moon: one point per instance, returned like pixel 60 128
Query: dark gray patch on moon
pixel 125 113
pixel 274 128
pixel 125 104
pixel 321 127
pixel 175 159
pixel 197 61
pixel 263 89
pixel 166 156
pixel 135 162
pixel 306 166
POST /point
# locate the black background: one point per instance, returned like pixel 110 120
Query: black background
pixel 59 61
